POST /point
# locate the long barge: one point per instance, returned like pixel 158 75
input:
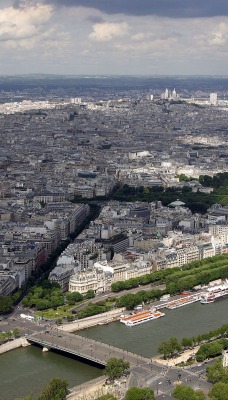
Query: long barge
pixel 183 301
pixel 141 317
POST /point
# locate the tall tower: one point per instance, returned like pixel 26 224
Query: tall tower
pixel 166 94
pixel 174 94
pixel 214 99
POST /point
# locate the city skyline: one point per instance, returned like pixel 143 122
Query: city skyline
pixel 125 37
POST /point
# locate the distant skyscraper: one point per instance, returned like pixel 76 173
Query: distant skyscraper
pixel 214 99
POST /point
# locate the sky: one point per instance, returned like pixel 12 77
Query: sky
pixel 114 37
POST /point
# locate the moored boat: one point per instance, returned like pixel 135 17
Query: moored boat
pixel 183 301
pixel 211 297
pixel 141 317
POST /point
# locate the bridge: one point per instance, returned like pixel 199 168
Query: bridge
pixel 84 348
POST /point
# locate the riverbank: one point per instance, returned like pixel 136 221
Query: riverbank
pixel 171 362
pixel 99 319
pixel 92 390
pixel 14 344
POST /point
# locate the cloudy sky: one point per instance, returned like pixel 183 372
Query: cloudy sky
pixel 97 37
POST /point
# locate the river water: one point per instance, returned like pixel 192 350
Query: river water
pixel 144 339
pixel 26 371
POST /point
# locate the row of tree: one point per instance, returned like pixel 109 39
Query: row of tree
pixel 130 300
pixel 197 272
pixel 157 278
pixel 172 346
pixel 94 309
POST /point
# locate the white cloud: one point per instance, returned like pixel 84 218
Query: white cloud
pixel 220 36
pixel 17 25
pixel 106 31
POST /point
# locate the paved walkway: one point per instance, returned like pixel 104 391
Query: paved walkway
pixel 171 362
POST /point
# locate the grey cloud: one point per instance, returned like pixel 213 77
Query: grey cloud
pixel 95 19
pixel 165 8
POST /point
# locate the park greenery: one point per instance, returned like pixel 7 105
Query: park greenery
pixel 115 368
pixel 139 393
pixel 198 202
pixel 46 295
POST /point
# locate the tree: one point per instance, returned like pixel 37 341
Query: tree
pixel 174 345
pixel 219 391
pixel 207 350
pixel 90 294
pixel 16 332
pixel 136 393
pixel 115 368
pixel 186 342
pixel 164 349
pixel 74 297
pixel 182 392
pixel 170 347
pixel 6 304
pixel 56 389
pixel 216 372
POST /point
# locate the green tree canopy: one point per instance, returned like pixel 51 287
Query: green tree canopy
pixel 6 304
pixel 169 347
pixel 216 372
pixel 186 342
pixel 56 389
pixel 219 391
pixel 182 392
pixel 90 294
pixel 136 393
pixel 115 368
pixel 74 297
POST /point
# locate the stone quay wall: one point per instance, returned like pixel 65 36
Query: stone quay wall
pixel 14 344
pixel 100 319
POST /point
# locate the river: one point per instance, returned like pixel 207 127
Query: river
pixel 144 339
pixel 25 371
